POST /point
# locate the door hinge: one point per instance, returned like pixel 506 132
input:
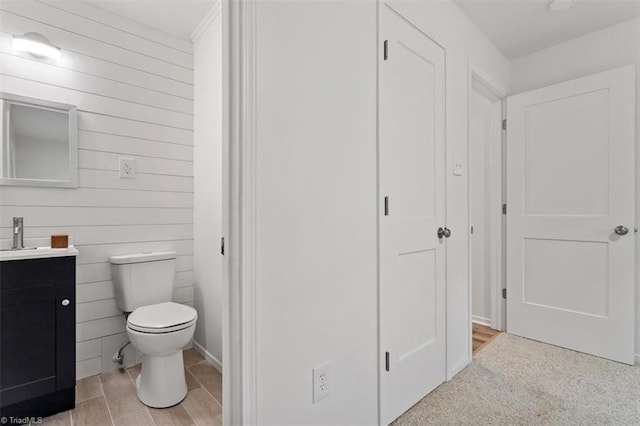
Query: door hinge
pixel 504 124
pixel 386 361
pixel 222 246
pixel 504 293
pixel 386 206
pixel 504 209
pixel 471 229
pixel 385 50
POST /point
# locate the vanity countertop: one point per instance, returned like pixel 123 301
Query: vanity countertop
pixel 37 253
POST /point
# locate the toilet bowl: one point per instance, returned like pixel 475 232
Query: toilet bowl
pixel 158 328
pixel 159 332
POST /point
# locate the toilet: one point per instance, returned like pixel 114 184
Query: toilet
pixel 157 327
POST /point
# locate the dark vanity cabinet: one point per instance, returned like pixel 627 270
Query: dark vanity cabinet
pixel 37 336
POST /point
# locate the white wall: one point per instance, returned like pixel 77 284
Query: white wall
pixel 316 210
pixel 317 202
pixel 482 121
pixel 603 50
pixel 207 170
pixel 134 90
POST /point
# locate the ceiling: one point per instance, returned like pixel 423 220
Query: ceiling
pixel 520 27
pixel 176 17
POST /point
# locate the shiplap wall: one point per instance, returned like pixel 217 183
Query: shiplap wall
pixel 134 90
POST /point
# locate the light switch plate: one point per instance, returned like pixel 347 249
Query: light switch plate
pixel 458 167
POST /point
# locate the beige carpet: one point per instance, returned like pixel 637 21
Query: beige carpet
pixel 516 381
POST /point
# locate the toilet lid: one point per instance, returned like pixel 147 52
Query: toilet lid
pixel 162 316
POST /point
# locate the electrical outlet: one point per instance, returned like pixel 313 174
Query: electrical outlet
pixel 321 382
pixel 127 167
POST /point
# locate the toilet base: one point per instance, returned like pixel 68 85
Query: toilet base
pixel 162 382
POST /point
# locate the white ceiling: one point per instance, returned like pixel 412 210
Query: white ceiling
pixel 176 17
pixel 520 27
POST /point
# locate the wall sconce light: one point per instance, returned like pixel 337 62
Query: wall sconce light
pixel 37 45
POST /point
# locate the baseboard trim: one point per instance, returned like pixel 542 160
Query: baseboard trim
pixel 481 320
pixel 210 358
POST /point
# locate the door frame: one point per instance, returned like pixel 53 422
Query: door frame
pixel 233 410
pixel 239 346
pixel 492 89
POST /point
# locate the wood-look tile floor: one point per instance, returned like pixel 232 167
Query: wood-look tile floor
pixel 110 399
pixel 482 335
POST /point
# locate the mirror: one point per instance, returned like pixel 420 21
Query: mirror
pixel 39 143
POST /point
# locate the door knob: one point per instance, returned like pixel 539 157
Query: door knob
pixel 622 230
pixel 444 232
pixel 65 302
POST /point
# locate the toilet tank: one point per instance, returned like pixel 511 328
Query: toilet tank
pixel 143 279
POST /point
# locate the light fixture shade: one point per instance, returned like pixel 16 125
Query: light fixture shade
pixel 37 45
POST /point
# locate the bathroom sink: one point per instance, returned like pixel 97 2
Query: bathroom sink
pixel 36 253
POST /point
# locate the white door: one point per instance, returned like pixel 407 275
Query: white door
pixel 412 177
pixel 570 183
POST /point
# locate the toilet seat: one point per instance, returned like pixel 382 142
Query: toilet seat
pixel 162 318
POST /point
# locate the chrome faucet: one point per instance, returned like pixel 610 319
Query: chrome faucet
pixel 18 237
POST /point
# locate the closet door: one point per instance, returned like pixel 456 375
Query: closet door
pixel 412 190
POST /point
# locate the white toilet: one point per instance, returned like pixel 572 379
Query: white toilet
pixel 157 327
